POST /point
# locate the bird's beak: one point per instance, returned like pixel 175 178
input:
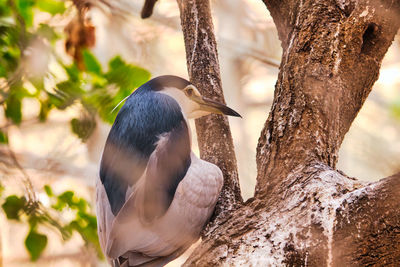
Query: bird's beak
pixel 212 106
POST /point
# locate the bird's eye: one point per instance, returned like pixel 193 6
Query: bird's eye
pixel 189 92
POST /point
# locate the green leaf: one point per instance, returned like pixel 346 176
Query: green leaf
pixel 81 205
pixel 51 6
pixel 70 88
pixel 33 221
pixel 55 100
pixel 66 197
pixel 38 83
pixel 116 62
pixel 13 205
pixel 3 71
pixel 11 58
pixel 127 76
pixel 83 128
pixel 91 63
pixel 48 190
pixel 35 243
pixel 25 9
pixel 395 110
pixel 4 8
pixel 13 109
pixel 3 137
pixel 47 32
pixel 103 102
pixel 45 107
pixel 66 93
pixel 72 72
pixel 1 189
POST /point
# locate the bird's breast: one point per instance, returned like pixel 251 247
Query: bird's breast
pixel 193 202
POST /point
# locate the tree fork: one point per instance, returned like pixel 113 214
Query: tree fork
pixel 306 213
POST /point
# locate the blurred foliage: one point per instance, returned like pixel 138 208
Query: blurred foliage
pixel 31 68
pixel 83 221
pixel 23 44
pixel 1 189
pixel 395 109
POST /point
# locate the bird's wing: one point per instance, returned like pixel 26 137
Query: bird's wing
pixel 132 139
pixel 104 215
pixel 146 126
pixel 166 167
pixel 121 167
pixel 153 193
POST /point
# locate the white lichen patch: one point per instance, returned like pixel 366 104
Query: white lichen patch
pixel 335 50
pixel 364 13
pixel 195 13
pixel 313 202
pixel 367 12
pixel 342 4
pixel 293 33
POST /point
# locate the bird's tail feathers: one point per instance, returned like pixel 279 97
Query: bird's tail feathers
pixel 137 259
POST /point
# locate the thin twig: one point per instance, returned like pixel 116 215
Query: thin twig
pixel 147 9
pixel 31 195
pixel 34 206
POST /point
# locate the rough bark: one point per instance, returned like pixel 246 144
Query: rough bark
pixel 213 133
pixel 372 237
pixel 331 59
pixel 306 213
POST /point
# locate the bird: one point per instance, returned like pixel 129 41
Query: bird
pixel 153 194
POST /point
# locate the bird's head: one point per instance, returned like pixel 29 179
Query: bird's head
pixel 192 103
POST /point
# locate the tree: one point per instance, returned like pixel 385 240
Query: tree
pixel 304 212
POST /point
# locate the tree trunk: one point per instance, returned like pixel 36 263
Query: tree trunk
pixel 304 213
pixel 213 133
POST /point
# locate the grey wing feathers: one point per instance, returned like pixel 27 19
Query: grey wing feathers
pixel 132 140
pixel 166 168
pixel 155 190
pixel 120 167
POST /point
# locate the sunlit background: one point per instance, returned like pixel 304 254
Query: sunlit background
pixel 249 52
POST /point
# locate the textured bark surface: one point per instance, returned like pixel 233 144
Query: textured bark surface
pixel 372 236
pixel 332 56
pixel 304 213
pixel 213 133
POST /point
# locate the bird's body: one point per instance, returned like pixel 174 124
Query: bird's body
pixel 154 195
pixel 173 233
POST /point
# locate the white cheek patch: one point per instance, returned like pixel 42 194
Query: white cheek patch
pixel 198 113
pixel 187 105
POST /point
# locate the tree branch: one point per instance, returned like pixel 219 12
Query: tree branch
pixel 147 9
pixel 284 14
pixel 332 60
pixel 214 136
pixel 306 213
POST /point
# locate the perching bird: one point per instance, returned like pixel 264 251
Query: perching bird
pixel 154 195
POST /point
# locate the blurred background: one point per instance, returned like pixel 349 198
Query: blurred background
pixel 63 69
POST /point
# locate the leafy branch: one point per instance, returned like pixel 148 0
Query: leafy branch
pixel 26 50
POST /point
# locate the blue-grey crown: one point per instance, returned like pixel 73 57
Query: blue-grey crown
pixel 161 82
